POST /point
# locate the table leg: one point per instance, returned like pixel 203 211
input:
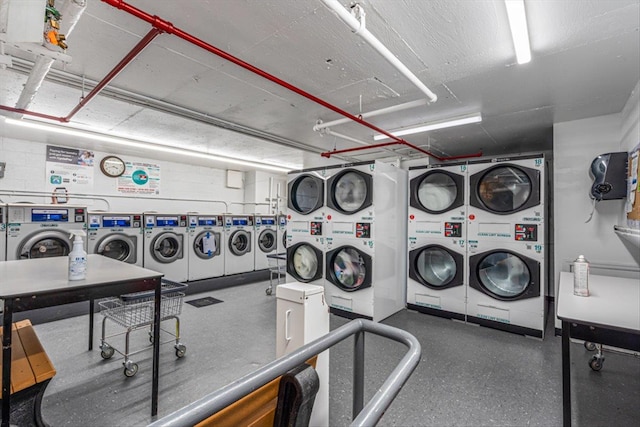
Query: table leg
pixel 7 317
pixel 566 376
pixel 156 348
pixel 91 312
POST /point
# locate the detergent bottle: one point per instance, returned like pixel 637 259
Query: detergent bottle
pixel 78 256
pixel 581 277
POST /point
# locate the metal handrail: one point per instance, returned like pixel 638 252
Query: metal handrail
pixel 368 415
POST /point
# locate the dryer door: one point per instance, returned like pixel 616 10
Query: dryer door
pixel 207 244
pixel 306 194
pixel 437 191
pixel 46 244
pixel 305 262
pixel 167 247
pixel 350 191
pixel 505 189
pixel 436 267
pixel 240 242
pixel 505 275
pixel 268 240
pixel 118 246
pixel 349 268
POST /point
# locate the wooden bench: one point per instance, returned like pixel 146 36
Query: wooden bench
pixel 31 371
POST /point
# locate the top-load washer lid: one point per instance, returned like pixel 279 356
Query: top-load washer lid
pixel 119 247
pixel 240 242
pixel 437 191
pixel 349 268
pixel 267 240
pixel 304 262
pixel 505 189
pixel 436 267
pixel 206 245
pixel 306 194
pixel 505 275
pixel 167 247
pixel 45 244
pixel 350 191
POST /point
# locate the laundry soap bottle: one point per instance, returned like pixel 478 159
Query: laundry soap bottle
pixel 78 256
pixel 581 277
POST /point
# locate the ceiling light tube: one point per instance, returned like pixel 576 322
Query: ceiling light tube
pixel 117 140
pixel 519 33
pixel 465 120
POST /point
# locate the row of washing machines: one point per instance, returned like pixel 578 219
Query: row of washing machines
pixel 184 247
pixel 474 242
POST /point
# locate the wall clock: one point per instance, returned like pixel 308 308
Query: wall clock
pixel 112 166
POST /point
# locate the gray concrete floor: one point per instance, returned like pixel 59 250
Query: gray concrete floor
pixel 468 375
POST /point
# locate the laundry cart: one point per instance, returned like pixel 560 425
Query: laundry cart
pixel 134 311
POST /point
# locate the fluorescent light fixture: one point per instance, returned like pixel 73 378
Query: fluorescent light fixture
pixel 465 120
pixel 519 33
pixel 117 140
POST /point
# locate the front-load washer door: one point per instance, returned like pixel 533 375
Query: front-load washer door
pixel 167 247
pixel 305 262
pixel 437 191
pixel 46 244
pixel 240 242
pixel 118 246
pixel 267 240
pixel 505 275
pixel 349 268
pixel 505 189
pixel 350 191
pixel 306 194
pixel 436 267
pixel 207 244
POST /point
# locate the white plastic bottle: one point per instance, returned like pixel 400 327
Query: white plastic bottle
pixel 581 277
pixel 77 257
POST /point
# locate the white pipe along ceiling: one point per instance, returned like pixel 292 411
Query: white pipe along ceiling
pixel 585 62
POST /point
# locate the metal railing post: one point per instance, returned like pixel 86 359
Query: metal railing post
pixel 358 374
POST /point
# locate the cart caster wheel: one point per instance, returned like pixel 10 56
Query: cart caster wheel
pixel 596 363
pixel 107 352
pixel 268 291
pixel 591 346
pixel 181 349
pixel 130 369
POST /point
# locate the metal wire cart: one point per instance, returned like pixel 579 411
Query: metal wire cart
pixel 135 311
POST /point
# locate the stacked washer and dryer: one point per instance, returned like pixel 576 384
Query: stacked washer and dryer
pixel 206 246
pixel 365 260
pixel 116 235
pixel 42 231
pixel 165 236
pixel 506 244
pixel 305 244
pixel 437 240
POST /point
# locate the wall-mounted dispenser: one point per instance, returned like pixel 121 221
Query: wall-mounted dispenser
pixel 609 173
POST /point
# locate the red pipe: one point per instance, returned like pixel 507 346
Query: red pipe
pixel 31 113
pixel 115 71
pixel 168 27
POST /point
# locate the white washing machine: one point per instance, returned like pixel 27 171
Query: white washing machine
pixel 165 237
pixel 206 246
pixel 240 244
pixel 266 235
pixel 506 286
pixel 282 234
pixel 42 231
pixel 502 193
pixel 305 253
pixel 437 240
pixel 3 232
pixel 350 193
pixel 116 235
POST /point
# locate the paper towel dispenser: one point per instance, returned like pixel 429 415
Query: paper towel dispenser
pixel 609 173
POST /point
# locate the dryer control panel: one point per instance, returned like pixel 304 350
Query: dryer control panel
pixel 526 232
pixel 363 230
pixel 452 229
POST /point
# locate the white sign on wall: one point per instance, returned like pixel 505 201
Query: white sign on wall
pixel 69 170
pixel 140 178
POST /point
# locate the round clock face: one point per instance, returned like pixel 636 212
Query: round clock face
pixel 112 166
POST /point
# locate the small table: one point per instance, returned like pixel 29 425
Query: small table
pixel 37 283
pixel 610 316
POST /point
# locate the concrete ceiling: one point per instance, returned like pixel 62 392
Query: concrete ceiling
pixel 585 63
